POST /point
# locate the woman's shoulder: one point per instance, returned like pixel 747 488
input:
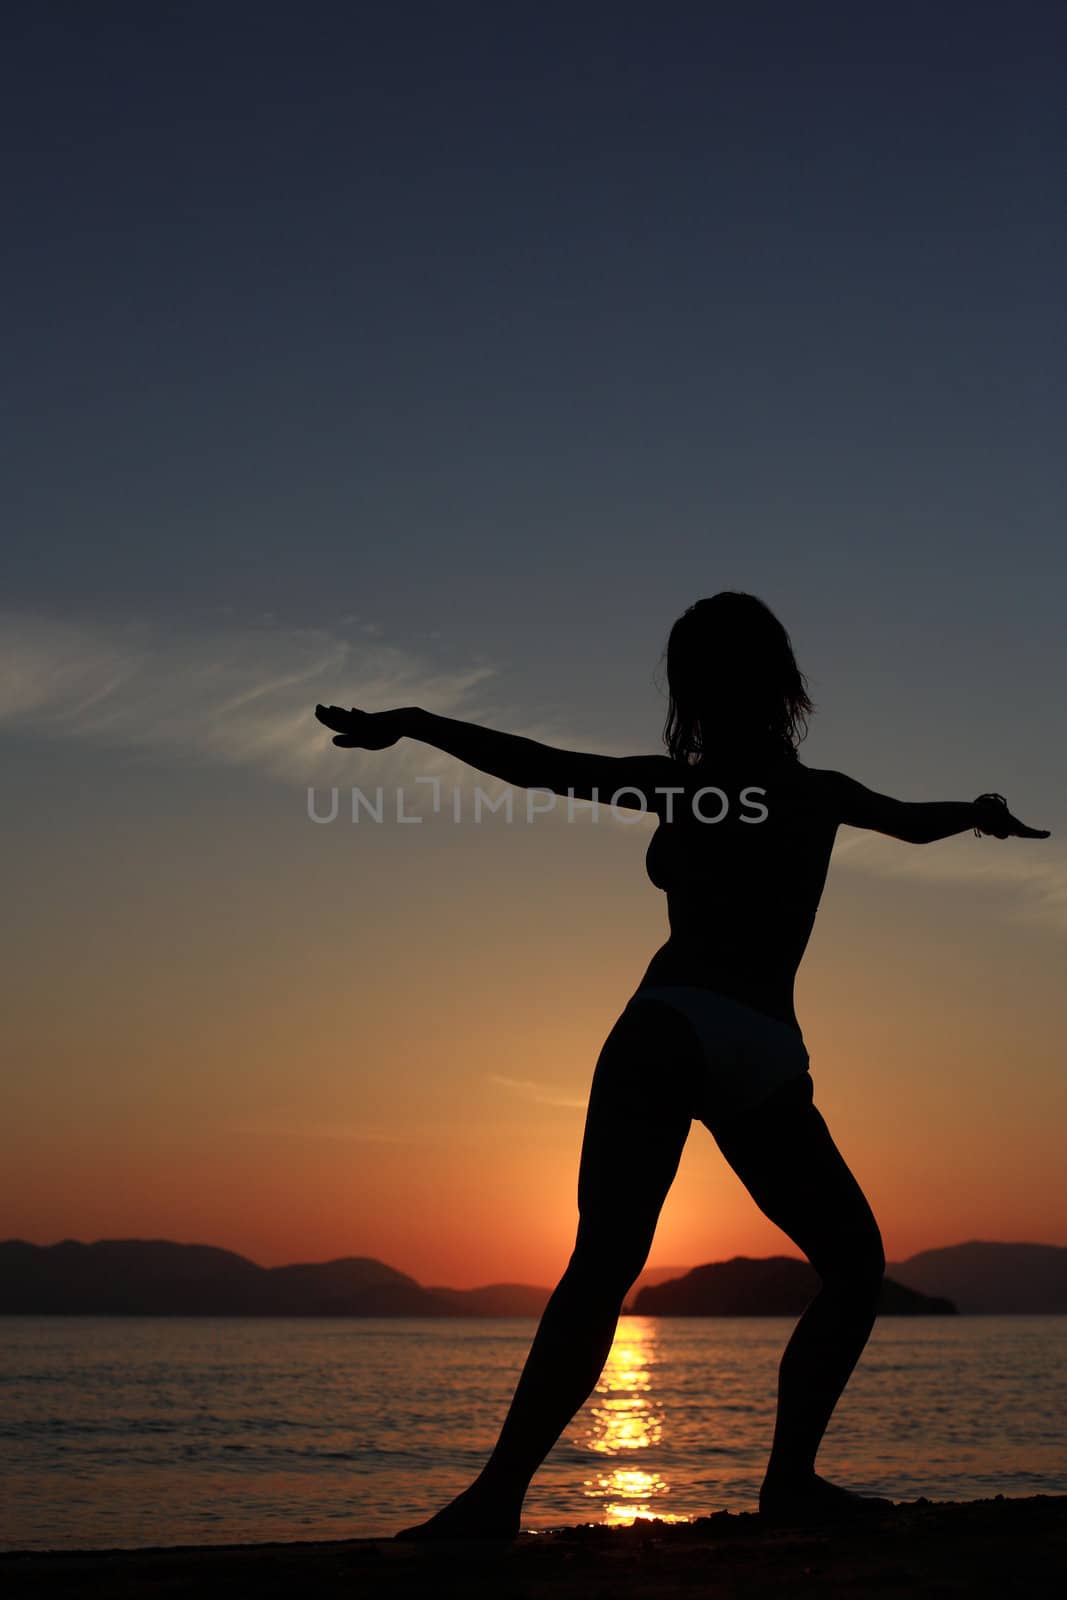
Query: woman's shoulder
pixel 732 769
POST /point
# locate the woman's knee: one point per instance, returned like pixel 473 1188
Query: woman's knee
pixel 606 1264
pixel 855 1259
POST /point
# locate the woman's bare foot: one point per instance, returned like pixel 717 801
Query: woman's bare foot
pixel 792 1501
pixel 476 1513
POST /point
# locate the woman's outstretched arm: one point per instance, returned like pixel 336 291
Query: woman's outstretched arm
pixel 639 781
pixel 921 822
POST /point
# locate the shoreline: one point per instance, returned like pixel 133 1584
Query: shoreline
pixel 935 1548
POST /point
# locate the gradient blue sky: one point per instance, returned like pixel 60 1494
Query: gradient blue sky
pixel 445 353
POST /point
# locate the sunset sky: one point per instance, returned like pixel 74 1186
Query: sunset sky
pixel 442 355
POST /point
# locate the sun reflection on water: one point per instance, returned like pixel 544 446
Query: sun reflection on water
pixel 624 1418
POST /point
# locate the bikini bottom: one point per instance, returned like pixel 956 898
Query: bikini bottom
pixel 746 1054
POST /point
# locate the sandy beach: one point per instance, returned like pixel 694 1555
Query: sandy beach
pixel 995 1547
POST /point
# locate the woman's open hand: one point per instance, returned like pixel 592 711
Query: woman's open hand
pixel 361 730
pixel 992 816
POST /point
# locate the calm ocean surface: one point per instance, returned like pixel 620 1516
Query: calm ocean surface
pixel 133 1431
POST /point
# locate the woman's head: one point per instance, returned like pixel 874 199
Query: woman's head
pixel 733 681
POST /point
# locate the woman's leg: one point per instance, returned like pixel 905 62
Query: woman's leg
pixel 785 1157
pixel 635 1130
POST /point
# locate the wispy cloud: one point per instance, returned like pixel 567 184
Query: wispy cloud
pixel 542 1094
pixel 239 695
pixel 243 695
pixel 1031 874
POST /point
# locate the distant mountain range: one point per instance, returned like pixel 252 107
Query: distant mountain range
pixel 978 1277
pixel 991 1278
pixel 777 1286
pixel 155 1277
pixel 497 1300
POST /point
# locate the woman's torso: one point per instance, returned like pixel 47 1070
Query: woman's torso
pixel 742 893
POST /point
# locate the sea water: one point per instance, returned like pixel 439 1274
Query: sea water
pixel 123 1432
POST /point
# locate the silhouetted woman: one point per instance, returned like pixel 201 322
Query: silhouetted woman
pixel 742 850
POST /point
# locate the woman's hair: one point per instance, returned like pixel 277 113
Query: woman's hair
pixel 733 682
